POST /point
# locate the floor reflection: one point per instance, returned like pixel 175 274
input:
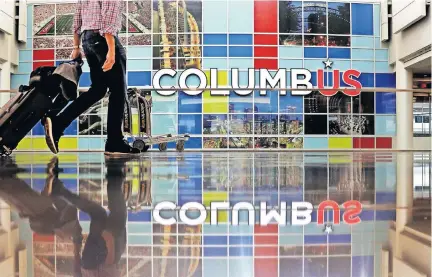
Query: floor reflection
pixel 82 214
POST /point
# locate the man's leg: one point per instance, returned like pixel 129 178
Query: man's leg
pixel 54 127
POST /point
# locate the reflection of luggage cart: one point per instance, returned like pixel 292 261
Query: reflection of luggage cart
pixel 145 139
pixel 137 191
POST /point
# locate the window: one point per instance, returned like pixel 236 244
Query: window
pixel 315 19
pixel 290 17
pixel 339 18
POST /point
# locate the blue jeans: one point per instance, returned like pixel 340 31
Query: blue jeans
pixel 96 49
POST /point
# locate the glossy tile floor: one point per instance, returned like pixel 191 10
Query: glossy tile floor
pixel 60 202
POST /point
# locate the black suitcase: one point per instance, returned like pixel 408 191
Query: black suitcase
pixel 31 104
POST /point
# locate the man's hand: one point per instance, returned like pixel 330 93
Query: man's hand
pixel 76 53
pixel 110 60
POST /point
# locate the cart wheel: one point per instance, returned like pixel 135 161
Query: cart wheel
pixel 169 136
pixel 139 144
pixel 146 148
pixel 6 152
pixel 180 146
pixel 163 147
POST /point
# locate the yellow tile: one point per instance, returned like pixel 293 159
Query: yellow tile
pixel 40 144
pixel 69 143
pixel 220 196
pixel 25 144
pixel 135 129
pixel 340 143
pixel 216 104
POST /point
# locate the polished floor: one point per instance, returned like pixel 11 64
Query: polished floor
pixel 76 212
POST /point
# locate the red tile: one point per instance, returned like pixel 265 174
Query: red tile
pixel 266 251
pixel 269 229
pixel 42 238
pixel 265 52
pixel 266 16
pixel 365 143
pixel 39 64
pixel 384 143
pixel 264 39
pixel 43 55
pixel 266 63
pixel 266 267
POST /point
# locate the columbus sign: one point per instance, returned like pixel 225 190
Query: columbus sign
pixel 261 80
pixel 300 213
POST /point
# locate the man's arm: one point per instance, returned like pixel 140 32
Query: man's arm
pixel 111 24
pixel 77 28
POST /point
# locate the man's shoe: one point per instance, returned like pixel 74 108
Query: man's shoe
pixel 52 136
pixel 119 148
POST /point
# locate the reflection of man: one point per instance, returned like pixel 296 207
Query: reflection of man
pixel 47 215
pixel 106 241
pixel 97 23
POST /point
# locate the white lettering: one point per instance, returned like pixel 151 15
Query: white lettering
pixel 156 81
pixel 298 83
pixel 200 74
pixel 265 217
pixel 246 206
pixel 267 79
pixel 235 82
pixel 301 213
pixel 164 206
pixel 214 84
pixel 193 206
pixel 214 206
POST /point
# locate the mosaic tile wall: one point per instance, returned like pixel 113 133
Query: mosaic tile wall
pixel 230 34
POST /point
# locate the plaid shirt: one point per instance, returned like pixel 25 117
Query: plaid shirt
pixel 102 15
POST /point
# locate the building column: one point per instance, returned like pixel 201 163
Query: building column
pixel 404 108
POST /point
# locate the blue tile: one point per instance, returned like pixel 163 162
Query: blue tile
pixel 386 215
pixel 381 55
pixel 365 42
pixel 25 55
pixel 215 240
pixel 135 65
pixel 340 238
pixel 143 216
pixel 367 215
pixel 313 65
pixel 385 198
pixel 239 16
pixel 82 216
pixel 19 79
pixel 315 143
pixel 241 63
pixel 209 63
pixel 215 252
pixel 382 67
pixel 139 240
pixel 362 54
pixel 215 51
pixel 377 20
pixel 240 39
pixel 385 103
pixel 291 52
pixel 241 251
pixel 38 130
pixel 362 266
pixel 189 104
pixel 386 80
pixel 341 65
pixel 362 19
pixel 385 125
pixel 190 124
pixel 288 64
pixel 315 239
pixel 139 78
pixel 315 52
pixel 215 16
pixel 240 267
pixel 367 79
pixel 139 52
pixel 240 51
pixel 139 228
pixel 363 66
pixel 240 240
pixel 220 39
pixel 194 143
pixel 215 267
pixel 339 53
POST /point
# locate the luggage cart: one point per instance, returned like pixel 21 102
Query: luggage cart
pixel 144 139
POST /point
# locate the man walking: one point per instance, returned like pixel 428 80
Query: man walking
pixel 97 23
